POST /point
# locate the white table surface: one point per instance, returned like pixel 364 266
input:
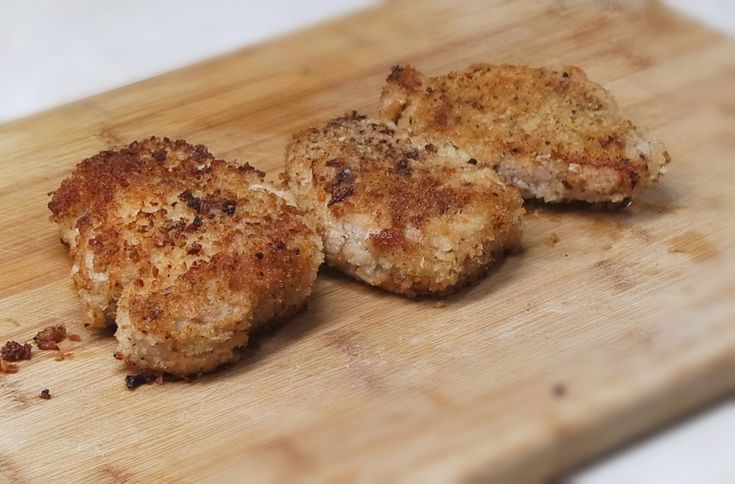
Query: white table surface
pixel 55 51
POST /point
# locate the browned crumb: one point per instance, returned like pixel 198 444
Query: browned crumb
pixel 14 351
pixel 6 367
pixel 553 239
pixel 47 338
pixel 439 305
pixel 134 381
pixel 73 337
pixel 45 394
pixel 63 355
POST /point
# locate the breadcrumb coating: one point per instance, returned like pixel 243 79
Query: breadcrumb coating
pixel 185 253
pixel 414 219
pixel 553 134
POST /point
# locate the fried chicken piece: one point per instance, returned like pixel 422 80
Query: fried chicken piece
pixel 414 219
pixel 553 134
pixel 185 253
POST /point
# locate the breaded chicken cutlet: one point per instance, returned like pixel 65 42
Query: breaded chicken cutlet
pixel 412 219
pixel 187 254
pixel 553 134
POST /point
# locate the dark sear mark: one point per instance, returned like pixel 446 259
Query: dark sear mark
pixel 193 202
pixel 342 187
pixel 160 155
pixel 45 394
pixel 472 161
pixel 229 207
pixel 403 168
pixel 413 154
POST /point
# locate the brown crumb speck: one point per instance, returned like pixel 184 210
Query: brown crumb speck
pixel 134 381
pixel 47 338
pixel 14 351
pixel 553 239
pixel 73 337
pixel 6 367
pixel 45 394
pixel 63 355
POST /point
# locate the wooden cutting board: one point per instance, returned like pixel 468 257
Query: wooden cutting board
pixel 563 352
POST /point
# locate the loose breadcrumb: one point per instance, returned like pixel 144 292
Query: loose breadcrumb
pixel 14 351
pixel 49 337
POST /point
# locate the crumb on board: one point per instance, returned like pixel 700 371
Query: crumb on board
pixel 73 337
pixel 63 355
pixel 14 351
pixel 47 338
pixel 439 304
pixel 6 367
pixel 45 394
pixel 553 239
pixel 134 381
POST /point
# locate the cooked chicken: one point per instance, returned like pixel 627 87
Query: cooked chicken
pixel 555 135
pixel 412 219
pixel 186 253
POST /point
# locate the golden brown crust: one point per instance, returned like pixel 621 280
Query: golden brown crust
pixel 387 206
pixel 184 252
pixel 553 133
pixel 97 179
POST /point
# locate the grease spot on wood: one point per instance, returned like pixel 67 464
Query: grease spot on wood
pixel 621 276
pixel 114 475
pixel 9 471
pixel 695 245
pixel 437 399
pixel 342 339
pixel 5 321
pixel 361 363
pixel 293 454
pixel 13 393
pixel 659 208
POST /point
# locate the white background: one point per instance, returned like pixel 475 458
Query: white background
pixel 55 51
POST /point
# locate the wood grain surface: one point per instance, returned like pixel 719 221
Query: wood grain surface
pixel 563 352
